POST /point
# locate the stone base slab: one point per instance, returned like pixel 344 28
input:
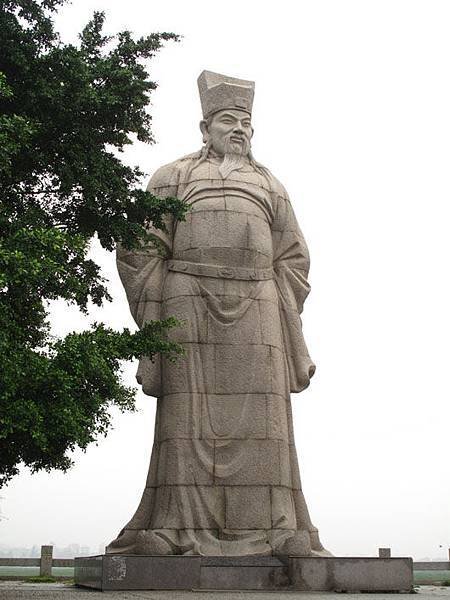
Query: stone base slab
pixel 131 572
pixel 351 574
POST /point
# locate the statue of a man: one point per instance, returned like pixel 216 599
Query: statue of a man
pixel 223 477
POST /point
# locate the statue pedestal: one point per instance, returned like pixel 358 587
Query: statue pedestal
pixel 131 572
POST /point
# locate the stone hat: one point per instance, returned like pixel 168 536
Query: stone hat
pixel 218 92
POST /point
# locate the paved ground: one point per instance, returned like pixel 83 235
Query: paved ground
pixel 10 590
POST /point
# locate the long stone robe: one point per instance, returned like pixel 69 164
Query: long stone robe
pixel 223 477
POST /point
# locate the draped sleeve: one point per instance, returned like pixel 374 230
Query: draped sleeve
pixel 143 272
pixel 291 267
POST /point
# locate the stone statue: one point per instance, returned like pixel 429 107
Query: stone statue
pixel 223 477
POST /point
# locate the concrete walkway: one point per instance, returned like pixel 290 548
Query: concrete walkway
pixel 12 590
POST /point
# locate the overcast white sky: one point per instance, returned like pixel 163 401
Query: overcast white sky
pixel 352 114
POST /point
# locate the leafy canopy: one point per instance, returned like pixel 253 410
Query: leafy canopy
pixel 66 112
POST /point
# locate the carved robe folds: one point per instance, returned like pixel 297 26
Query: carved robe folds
pixel 223 478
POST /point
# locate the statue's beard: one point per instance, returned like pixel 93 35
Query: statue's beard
pixel 234 157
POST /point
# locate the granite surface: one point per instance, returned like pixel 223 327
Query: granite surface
pixel 318 574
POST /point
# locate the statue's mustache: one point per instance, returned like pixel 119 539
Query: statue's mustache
pixel 237 136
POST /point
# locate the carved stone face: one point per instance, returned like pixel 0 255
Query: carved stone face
pixel 228 131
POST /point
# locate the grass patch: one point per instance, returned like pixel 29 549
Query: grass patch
pixel 446 582
pixel 431 577
pixel 25 572
pixel 41 579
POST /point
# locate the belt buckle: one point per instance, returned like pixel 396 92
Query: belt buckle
pixel 226 272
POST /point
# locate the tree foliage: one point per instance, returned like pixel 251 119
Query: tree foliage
pixel 66 113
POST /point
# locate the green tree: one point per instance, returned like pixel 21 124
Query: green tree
pixel 66 111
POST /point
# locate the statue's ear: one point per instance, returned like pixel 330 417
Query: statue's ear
pixel 204 130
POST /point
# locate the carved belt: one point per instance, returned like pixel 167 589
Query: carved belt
pixel 220 272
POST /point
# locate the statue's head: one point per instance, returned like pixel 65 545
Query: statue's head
pixel 228 131
pixel 226 126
